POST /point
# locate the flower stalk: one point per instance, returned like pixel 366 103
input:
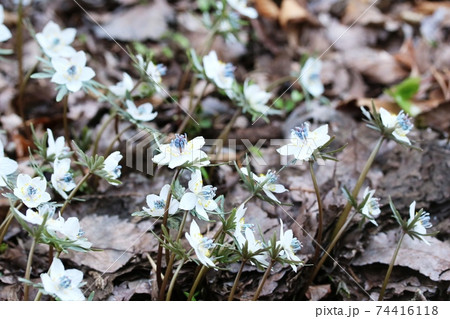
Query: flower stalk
pixel 391 266
pixel 236 280
pixel 263 280
pixel 320 207
pixel 28 269
pixel 74 191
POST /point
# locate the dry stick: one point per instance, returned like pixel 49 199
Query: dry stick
pixel 19 54
pixel 164 223
pixel 263 280
pixel 5 224
pixel 358 185
pixel 391 266
pixel 236 280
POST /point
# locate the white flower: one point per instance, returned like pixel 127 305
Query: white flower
pixel 269 187
pixel 31 190
pixel 304 143
pixel 155 72
pixel 57 148
pixel 56 42
pixel 421 225
pixel 62 283
pixel 143 112
pixel 7 166
pixel 201 198
pixel 122 87
pixel 241 226
pixel 62 180
pixel 72 71
pixel 157 204
pixel 310 77
pixel 256 99
pixel 253 246
pixel 241 7
pixel 290 245
pixel 218 71
pixel 201 245
pixel 71 229
pixel 5 34
pixel 37 218
pixel 112 167
pixel 401 124
pixel 371 208
pixel 180 152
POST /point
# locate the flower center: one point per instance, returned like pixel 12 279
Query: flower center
pixel 271 177
pixel 80 233
pixel 302 131
pixel 296 245
pixel 161 68
pixel 67 178
pixel 208 192
pixel 64 282
pixel 207 243
pixel 31 191
pixel 228 71
pixel 425 220
pixel 179 142
pixel 72 70
pixel 116 171
pixel 159 204
pixel 404 122
pixel 56 41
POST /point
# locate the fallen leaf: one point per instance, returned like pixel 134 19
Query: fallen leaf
pixel 316 293
pixel 292 12
pixel 267 8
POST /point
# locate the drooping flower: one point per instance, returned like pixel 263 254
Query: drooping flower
pixel 290 245
pixel 256 99
pixel 31 190
pixel 62 179
pixel 157 204
pixel 201 198
pixel 241 7
pixel 181 152
pixel 56 42
pixel 401 124
pixel 37 218
pixel 71 229
pixel 56 148
pixel 253 246
pixel 219 72
pixel 421 224
pixel 202 245
pixel 310 77
pixel 62 283
pixel 112 167
pixel 122 87
pixel 7 166
pixel 269 183
pixel 371 208
pixel 304 143
pixel 5 34
pixel 143 112
pixel 72 71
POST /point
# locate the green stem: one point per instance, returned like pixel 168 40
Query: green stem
pixel 108 150
pixel 274 84
pixel 101 131
pixel 320 206
pixel 236 280
pixel 331 246
pixel 172 282
pixel 5 224
pixel 38 296
pixel 66 120
pixel 391 266
pixel 74 191
pixel 28 269
pixel 19 55
pixel 358 186
pixel 164 224
pixel 197 281
pixel 263 280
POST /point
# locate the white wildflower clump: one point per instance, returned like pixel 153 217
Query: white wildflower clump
pixel 253 246
pixel 7 166
pixel 201 198
pixel 62 179
pixel 256 99
pixel 45 213
pixel 401 124
pixel 268 182
pixel 180 152
pixel 202 245
pixel 121 88
pixel 157 204
pixel 56 42
pixel 143 112
pixel 371 209
pixel 419 225
pixel 56 148
pixel 31 190
pixel 61 283
pixel 5 34
pixel 219 72
pixel 241 7
pixel 310 77
pixel 112 167
pixel 290 244
pixel 72 71
pixel 304 142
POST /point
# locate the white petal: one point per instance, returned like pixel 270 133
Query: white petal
pixel 188 201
